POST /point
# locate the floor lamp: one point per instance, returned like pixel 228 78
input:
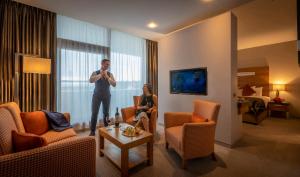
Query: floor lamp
pixel 29 64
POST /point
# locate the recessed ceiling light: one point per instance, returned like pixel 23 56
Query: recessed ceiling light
pixel 207 1
pixel 152 25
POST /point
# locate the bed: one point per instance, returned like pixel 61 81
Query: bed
pixel 257 78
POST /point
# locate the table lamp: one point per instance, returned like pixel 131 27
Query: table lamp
pixel 36 65
pixel 278 88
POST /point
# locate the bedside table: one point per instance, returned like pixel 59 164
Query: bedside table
pixel 278 109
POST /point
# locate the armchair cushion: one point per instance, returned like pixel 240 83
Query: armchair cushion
pixel 35 122
pixel 198 119
pixel 174 136
pixel 26 141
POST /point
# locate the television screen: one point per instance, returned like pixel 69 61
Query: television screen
pixel 189 81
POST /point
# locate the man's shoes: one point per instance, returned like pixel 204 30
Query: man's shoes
pixel 92 134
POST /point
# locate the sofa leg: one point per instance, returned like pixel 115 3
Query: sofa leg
pixel 167 145
pixel 183 164
pixel 213 156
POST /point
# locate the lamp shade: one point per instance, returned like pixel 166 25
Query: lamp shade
pixel 279 87
pixel 36 65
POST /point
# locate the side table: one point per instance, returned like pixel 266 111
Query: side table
pixel 278 109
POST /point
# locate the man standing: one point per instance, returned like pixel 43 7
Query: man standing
pixel 102 79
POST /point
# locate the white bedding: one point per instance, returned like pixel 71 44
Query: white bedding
pixel 265 98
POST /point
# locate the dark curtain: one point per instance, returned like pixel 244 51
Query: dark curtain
pixel 152 64
pixel 31 31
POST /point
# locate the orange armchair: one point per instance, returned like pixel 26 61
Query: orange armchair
pixel 191 140
pixel 128 114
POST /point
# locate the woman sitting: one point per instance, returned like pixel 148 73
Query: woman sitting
pixel 145 106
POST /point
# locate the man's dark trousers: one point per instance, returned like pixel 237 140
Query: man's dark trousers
pixel 96 103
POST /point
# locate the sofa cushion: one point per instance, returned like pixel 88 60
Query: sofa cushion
pixel 35 122
pixel 7 125
pixel 15 112
pixel 26 141
pixel 53 136
pixel 174 136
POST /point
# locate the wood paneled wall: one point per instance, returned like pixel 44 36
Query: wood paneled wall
pixel 260 79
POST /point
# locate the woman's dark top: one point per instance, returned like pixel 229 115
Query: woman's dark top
pixel 146 100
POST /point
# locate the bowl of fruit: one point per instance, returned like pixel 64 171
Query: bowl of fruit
pixel 131 131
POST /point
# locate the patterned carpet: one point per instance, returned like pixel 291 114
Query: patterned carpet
pixel 271 149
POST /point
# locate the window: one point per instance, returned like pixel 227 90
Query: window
pixel 80 52
pixel 128 64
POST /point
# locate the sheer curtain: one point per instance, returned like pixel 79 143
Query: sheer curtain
pixel 81 47
pixel 128 64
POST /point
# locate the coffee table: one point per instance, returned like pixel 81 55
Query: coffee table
pixel 118 150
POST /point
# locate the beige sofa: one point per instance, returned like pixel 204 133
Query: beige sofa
pixel 192 140
pixel 65 155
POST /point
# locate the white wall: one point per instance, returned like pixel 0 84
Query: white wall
pixel 211 44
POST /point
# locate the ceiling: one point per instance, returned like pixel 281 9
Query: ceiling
pixel 266 22
pixel 132 16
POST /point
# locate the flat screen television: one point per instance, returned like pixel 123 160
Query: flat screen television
pixel 189 81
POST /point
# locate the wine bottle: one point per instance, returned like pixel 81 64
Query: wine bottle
pixel 117 118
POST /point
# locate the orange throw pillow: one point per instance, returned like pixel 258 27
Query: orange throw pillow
pixel 35 122
pixel 198 119
pixel 26 141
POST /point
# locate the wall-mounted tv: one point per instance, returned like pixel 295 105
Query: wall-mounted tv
pixel 189 81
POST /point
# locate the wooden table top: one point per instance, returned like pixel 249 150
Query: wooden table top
pixel 115 136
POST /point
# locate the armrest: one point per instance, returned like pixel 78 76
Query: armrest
pixel 70 157
pixel 152 121
pixel 128 112
pixel 176 118
pixel 198 137
pixel 154 114
pixel 67 116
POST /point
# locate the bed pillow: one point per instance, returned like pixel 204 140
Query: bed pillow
pixel 258 91
pixel 247 90
pixel 254 94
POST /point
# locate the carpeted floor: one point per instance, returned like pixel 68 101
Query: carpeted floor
pixel 271 149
